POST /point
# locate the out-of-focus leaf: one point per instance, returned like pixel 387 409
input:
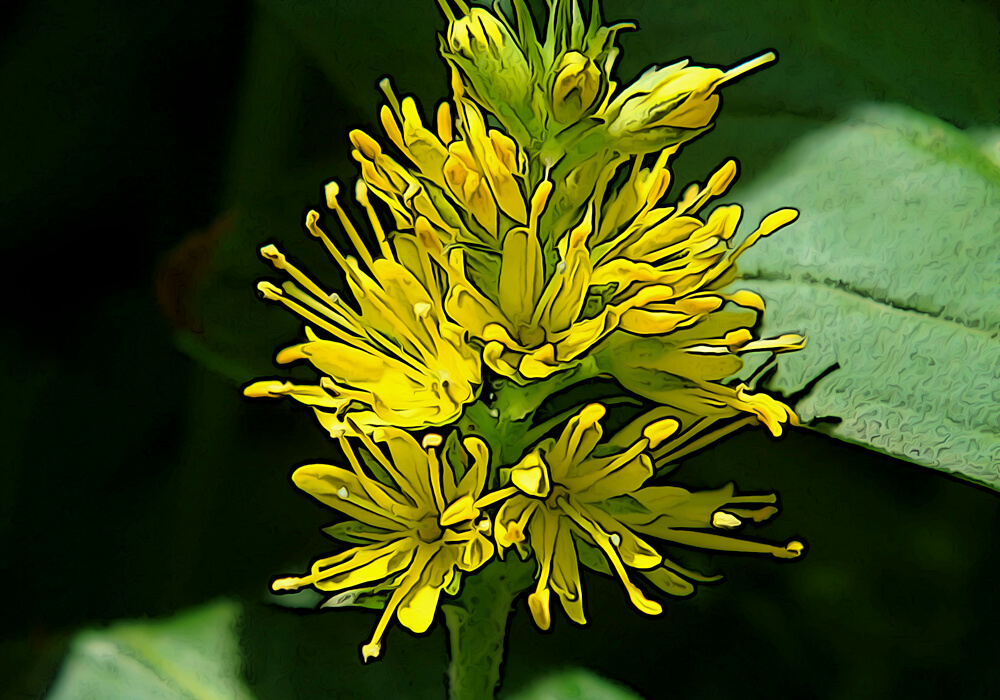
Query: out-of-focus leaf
pixel 193 656
pixel 892 272
pixel 573 684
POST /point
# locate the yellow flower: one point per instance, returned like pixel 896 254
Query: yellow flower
pixel 399 360
pixel 673 257
pixel 465 187
pixel 574 494
pixel 645 269
pixel 419 517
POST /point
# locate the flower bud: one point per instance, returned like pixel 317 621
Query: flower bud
pixel 492 69
pixel 576 87
pixel 667 106
pixel 671 99
pixel 487 44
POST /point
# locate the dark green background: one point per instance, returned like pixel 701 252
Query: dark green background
pixel 137 482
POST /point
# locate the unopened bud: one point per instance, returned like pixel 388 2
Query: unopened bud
pixel 576 87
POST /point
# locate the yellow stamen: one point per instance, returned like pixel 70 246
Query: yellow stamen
pixel 606 544
pixel 746 67
pixel 380 457
pixel 667 453
pixel 332 190
pixel 410 579
pixel 312 223
pixel 495 497
pixel 361 194
pixel 435 471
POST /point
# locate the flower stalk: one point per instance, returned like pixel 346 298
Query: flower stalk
pixel 477 628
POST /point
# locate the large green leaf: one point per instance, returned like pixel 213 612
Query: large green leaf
pixel 193 656
pixel 892 272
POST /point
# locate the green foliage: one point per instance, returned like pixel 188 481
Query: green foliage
pixel 568 685
pixel 891 272
pixel 192 656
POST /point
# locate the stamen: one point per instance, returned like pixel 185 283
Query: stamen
pixel 434 465
pixel 286 584
pixel 491 498
pixel 332 190
pixel 605 542
pixel 361 194
pixel 273 293
pixel 725 521
pixel 386 86
pixel 617 463
pixel 666 453
pixel 312 224
pixel 380 457
pixel 771 223
pixel 746 67
pixel 412 576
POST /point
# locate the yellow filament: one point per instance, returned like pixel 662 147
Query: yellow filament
pixel 704 441
pixel 312 224
pixel 746 67
pixel 332 190
pixel 435 471
pixel 491 498
pixel 361 194
pixel 377 453
pixel 603 540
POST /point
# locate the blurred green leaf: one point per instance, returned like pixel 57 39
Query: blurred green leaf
pixel 570 685
pixel 193 656
pixel 892 274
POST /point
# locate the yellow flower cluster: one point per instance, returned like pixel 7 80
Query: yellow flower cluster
pixel 526 253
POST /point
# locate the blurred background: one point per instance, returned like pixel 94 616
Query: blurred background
pixel 150 148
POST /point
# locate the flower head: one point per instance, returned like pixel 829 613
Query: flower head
pixel 575 496
pixel 398 360
pixel 417 516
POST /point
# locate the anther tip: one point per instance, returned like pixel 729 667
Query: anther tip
pixel 371 651
pixel 271 252
pixel 431 440
pixel 795 548
pixel 268 290
pixel 725 521
pixel 285 584
pixel 331 190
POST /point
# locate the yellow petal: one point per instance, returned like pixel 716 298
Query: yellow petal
pixel 342 490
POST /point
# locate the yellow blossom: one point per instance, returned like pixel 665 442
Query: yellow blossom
pixel 573 494
pixel 417 519
pixel 466 182
pixel 640 268
pixel 398 360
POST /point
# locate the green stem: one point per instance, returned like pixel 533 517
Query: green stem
pixel 477 627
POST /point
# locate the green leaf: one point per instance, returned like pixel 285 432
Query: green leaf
pixel 194 655
pixel 577 683
pixel 892 274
